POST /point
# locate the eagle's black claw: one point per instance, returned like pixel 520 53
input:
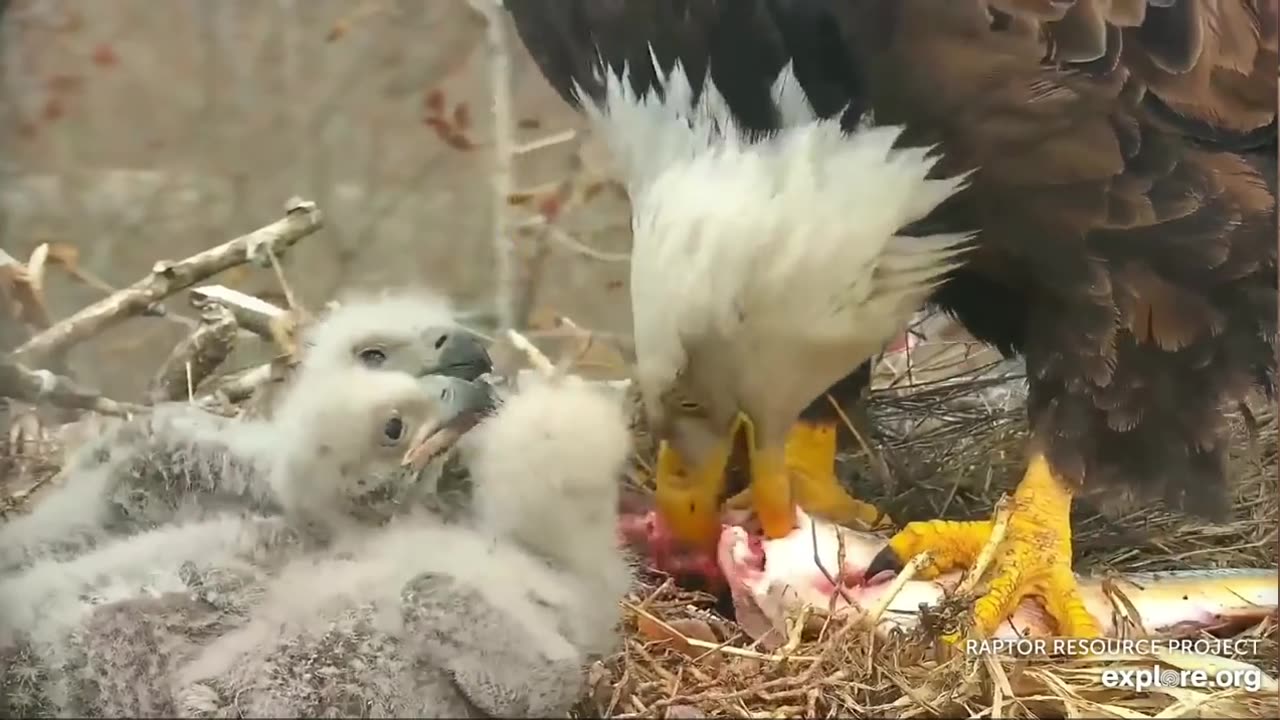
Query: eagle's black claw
pixel 884 560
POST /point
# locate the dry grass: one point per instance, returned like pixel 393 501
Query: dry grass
pixel 941 454
pixel 857 676
pixel 944 453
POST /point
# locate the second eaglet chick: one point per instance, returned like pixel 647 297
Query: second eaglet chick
pixel 499 617
pixel 339 468
pixel 343 453
pixel 180 462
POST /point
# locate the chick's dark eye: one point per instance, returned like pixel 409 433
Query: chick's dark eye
pixel 372 357
pixel 394 429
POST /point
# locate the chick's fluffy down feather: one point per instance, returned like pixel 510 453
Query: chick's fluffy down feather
pixel 181 462
pixel 49 614
pixel 546 470
pixel 496 617
pixel 176 463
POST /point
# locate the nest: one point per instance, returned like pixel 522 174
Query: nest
pixel 944 440
pixel 947 442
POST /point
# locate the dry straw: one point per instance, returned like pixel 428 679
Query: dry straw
pixel 944 444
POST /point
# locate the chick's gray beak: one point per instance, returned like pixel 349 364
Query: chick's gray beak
pixel 461 354
pixel 460 404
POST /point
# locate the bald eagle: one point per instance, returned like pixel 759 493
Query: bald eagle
pixel 1089 184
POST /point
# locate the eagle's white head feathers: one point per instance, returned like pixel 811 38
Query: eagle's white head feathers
pixel 764 268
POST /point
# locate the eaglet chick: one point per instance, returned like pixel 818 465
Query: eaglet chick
pixel 181 462
pixel 496 617
pixel 65 625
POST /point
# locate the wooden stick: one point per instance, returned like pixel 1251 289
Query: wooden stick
pixel 197 356
pixel 302 218
pixel 241 386
pixel 252 313
pixel 1000 526
pixel 502 174
pixel 20 382
pixel 540 361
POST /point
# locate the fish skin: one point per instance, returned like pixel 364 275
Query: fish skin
pixel 1173 603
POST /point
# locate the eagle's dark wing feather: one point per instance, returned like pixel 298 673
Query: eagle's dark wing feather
pixel 1124 191
pixel 745 43
pixel 1125 197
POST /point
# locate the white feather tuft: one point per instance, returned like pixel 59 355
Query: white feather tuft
pixel 783 249
pixel 793 104
pixel 545 469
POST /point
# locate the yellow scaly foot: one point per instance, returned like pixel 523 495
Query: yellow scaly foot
pixel 1032 559
pixel 810 461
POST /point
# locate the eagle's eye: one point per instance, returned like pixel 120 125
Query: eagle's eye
pixel 393 430
pixel 372 357
pixel 691 407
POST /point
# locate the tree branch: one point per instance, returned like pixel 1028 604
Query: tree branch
pixel 20 382
pixel 252 313
pixel 197 356
pixel 301 218
pixel 504 248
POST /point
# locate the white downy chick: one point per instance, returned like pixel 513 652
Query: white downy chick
pixel 175 463
pixel 499 617
pixel 180 462
pixel 546 470
pixel 414 332
pixel 43 609
pixel 338 468
pixel 341 455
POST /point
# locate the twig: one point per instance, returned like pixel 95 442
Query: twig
pixel 1124 613
pixel 715 647
pixel 34 386
pixel 301 218
pixel 795 633
pixel 197 356
pixel 251 313
pixel 289 297
pixel 573 355
pixel 240 387
pixel 550 232
pixel 537 358
pixel 876 460
pixel 560 138
pixel 504 249
pixel 909 571
pixel 1004 511
pixel 837 580
pixel 568 242
pixel 21 288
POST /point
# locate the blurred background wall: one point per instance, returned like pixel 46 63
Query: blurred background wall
pixel 138 130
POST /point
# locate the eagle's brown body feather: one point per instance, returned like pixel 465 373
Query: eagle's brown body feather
pixel 1124 190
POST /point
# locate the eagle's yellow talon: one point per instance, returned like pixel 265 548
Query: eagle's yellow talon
pixel 811 463
pixel 809 459
pixel 1032 560
pixel 771 492
pixel 955 545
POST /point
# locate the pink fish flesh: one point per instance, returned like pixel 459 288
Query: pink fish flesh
pixel 771 580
